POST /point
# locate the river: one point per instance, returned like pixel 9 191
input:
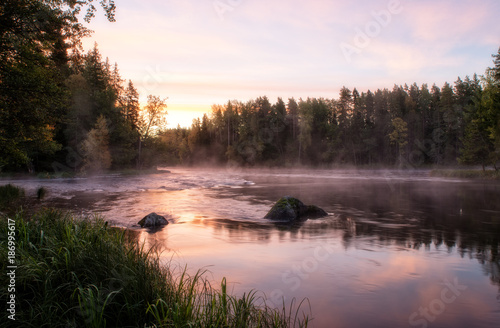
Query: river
pixel 398 248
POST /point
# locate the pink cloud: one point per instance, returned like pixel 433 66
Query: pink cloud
pixel 450 21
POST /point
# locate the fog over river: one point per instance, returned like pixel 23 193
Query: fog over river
pixel 398 248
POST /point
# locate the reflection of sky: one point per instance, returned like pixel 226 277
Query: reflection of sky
pixel 184 50
pixel 368 285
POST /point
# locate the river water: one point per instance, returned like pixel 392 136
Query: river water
pixel 398 248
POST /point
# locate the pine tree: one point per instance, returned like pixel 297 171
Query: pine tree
pixel 130 105
pixel 494 110
pixel 450 123
pixel 476 145
pixel 399 136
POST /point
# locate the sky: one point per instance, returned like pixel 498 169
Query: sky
pixel 204 52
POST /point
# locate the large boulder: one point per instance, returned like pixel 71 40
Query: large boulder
pixel 153 220
pixel 289 209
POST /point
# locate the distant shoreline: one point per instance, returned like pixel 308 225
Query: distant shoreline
pixel 68 175
pixel 466 173
pixel 445 172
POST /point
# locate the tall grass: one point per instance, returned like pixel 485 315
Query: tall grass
pixel 9 195
pixel 78 272
pixel 197 304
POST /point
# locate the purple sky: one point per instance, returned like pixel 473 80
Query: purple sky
pixel 204 52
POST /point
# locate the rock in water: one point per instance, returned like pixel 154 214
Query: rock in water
pixel 314 212
pixel 289 209
pixel 153 220
pixel 286 209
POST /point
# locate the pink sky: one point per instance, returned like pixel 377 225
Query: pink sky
pixel 204 52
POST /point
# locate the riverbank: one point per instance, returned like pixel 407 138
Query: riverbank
pixel 70 271
pixel 73 174
pixel 466 174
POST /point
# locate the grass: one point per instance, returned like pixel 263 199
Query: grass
pixel 467 174
pixel 10 195
pixel 79 272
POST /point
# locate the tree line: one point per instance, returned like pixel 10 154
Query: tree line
pixel 64 110
pixel 408 126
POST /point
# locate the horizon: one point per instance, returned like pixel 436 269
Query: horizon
pixel 201 54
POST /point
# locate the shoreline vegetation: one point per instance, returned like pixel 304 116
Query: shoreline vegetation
pixel 79 272
pixel 466 174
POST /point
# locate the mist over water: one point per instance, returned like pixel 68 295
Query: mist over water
pixel 398 248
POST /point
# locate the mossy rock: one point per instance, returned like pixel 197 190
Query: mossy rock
pixel 289 209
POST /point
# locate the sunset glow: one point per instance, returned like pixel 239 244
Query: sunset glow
pixel 199 53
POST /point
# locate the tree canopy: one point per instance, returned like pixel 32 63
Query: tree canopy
pixel 54 99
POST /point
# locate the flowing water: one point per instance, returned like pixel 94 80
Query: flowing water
pixel 398 249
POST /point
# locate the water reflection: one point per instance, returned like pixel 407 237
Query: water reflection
pixel 428 233
pixel 387 250
pixel 469 241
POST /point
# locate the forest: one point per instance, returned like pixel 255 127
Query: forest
pixel 64 110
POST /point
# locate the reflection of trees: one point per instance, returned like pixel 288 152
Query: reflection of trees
pixel 468 239
pixel 411 214
pixel 239 230
pixel 491 267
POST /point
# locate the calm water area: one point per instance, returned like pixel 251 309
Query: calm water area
pixel 398 248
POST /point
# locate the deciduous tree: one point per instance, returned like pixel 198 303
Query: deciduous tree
pixel 153 118
pixel 96 148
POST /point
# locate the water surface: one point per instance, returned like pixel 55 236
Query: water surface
pixel 398 249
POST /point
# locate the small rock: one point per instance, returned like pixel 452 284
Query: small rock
pixel 153 220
